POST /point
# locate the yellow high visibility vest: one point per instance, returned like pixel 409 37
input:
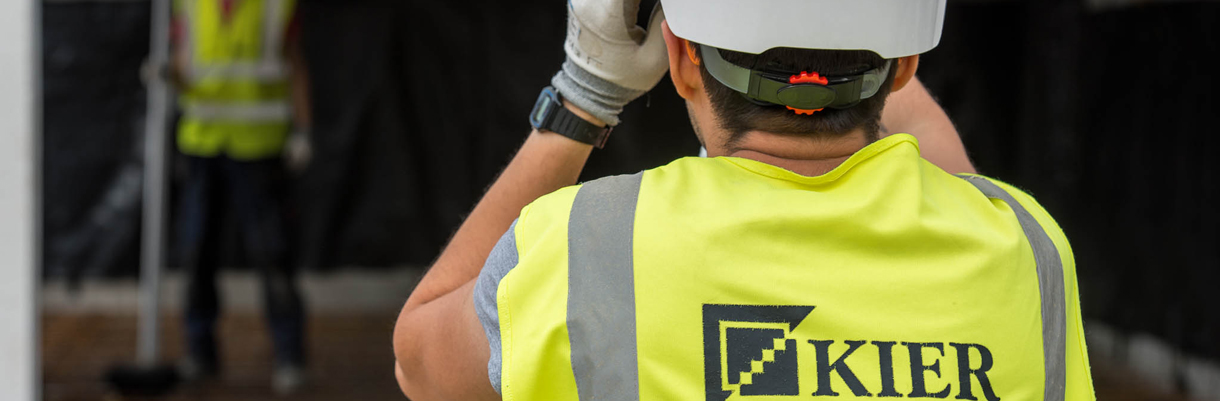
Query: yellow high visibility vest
pixel 236 101
pixel 731 279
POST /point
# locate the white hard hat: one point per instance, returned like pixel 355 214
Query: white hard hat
pixel 890 28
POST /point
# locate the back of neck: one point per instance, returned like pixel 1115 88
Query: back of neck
pixel 802 155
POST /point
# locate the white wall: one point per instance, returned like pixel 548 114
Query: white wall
pixel 19 379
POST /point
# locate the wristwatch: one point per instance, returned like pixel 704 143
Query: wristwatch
pixel 550 115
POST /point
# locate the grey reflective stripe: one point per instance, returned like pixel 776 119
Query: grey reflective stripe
pixel 268 71
pixel 269 67
pixel 188 43
pixel 270 111
pixel 1050 286
pixel 601 289
pixel 273 29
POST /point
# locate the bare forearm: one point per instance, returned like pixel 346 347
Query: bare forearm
pixel 545 163
pixel 177 69
pixel 301 114
pixel 434 347
pixel 913 110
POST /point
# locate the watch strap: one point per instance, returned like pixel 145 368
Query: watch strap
pixel 568 124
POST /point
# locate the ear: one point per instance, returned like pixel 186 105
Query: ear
pixel 906 67
pixel 683 64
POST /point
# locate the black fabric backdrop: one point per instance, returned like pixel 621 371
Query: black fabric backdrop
pixel 93 110
pixel 1102 115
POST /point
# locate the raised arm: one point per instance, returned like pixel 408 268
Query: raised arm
pixel 438 342
pixel 440 349
pixel 913 110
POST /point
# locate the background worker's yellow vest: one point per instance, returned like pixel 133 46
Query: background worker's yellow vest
pixel 727 278
pixel 236 100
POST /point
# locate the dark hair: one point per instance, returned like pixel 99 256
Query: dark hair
pixel 739 115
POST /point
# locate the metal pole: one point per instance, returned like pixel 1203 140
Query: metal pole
pixel 155 140
pixel 20 197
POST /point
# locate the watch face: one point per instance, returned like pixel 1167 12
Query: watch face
pixel 543 108
pixel 540 110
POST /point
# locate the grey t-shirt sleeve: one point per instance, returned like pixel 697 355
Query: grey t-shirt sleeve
pixel 501 260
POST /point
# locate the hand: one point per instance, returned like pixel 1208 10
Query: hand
pixel 611 61
pixel 604 40
pixel 298 151
pixel 150 72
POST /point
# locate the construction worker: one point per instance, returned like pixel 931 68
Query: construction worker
pixel 242 85
pixel 814 255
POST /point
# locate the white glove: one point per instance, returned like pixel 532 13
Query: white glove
pixel 298 151
pixel 611 61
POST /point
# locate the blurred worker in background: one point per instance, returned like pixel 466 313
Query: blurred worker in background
pixel 818 254
pixel 238 68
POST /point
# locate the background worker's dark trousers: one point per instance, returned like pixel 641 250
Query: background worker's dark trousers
pixel 254 190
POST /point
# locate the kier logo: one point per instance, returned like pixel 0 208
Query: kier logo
pixel 750 350
pixel 747 350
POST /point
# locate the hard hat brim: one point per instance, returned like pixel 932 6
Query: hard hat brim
pixel 890 28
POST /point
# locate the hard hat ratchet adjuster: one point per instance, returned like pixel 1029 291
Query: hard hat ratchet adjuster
pixel 804 94
pixel 806 88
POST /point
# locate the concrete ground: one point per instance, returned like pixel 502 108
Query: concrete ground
pixel 351 317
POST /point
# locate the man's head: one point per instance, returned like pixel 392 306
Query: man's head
pixel 739 115
pixel 748 67
pixel 723 117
